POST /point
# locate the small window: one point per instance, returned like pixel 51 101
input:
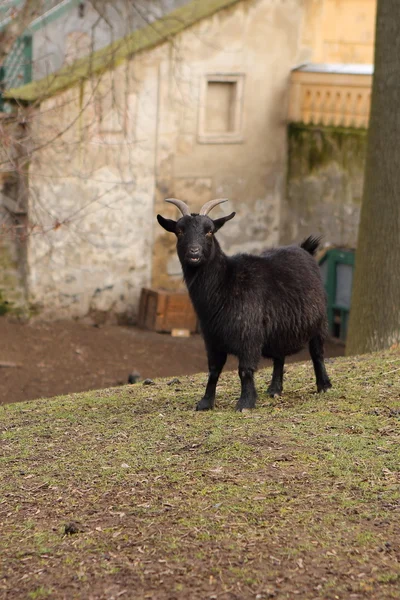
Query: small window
pixel 220 114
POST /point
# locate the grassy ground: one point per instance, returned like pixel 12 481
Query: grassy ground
pixel 300 498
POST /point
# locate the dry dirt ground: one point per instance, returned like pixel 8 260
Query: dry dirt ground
pixel 64 357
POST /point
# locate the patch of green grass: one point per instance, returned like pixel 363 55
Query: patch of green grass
pixel 40 592
pixel 301 496
pixel 389 578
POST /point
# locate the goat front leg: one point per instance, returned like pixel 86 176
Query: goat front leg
pixel 216 362
pixel 276 385
pixel 248 396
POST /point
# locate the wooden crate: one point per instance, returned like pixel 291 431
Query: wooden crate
pixel 163 310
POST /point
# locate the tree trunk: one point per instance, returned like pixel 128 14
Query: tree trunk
pixel 375 310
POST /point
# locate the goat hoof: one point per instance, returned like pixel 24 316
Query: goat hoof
pixel 274 393
pixel 245 406
pixel 324 386
pixel 204 405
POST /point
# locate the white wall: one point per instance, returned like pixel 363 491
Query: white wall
pixel 112 20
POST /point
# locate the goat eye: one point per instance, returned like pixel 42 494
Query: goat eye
pixel 179 233
pixel 209 233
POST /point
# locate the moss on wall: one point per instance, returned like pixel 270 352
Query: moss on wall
pixel 5 306
pixel 324 183
pixel 312 147
pixel 12 291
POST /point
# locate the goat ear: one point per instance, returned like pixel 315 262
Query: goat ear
pixel 168 224
pixel 219 222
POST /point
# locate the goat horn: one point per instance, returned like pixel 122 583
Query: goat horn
pixel 180 204
pixel 205 209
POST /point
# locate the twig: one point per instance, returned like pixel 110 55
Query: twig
pixel 389 372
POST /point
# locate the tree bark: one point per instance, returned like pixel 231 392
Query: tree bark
pixel 375 310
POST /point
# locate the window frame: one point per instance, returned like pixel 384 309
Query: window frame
pixel 214 137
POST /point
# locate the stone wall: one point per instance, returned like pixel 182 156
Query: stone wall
pixel 324 184
pixel 115 146
pixel 112 147
pixel 13 259
pixel 340 31
pixel 13 299
pixel 252 45
pixel 91 195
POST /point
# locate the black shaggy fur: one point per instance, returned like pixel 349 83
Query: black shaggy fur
pixel 250 306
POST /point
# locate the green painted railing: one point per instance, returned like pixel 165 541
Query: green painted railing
pixel 17 67
pixel 18 64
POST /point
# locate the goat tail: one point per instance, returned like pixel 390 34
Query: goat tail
pixel 311 244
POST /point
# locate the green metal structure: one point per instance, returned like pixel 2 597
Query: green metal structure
pixel 337 266
pixel 18 64
pixel 17 68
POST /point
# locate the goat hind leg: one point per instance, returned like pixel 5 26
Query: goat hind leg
pixel 316 347
pixel 276 385
pixel 248 396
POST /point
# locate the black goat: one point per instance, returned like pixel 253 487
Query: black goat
pixel 270 305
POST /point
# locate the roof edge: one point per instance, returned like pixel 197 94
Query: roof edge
pixel 116 53
pixel 336 68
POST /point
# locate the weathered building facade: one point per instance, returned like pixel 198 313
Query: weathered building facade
pixel 327 133
pixel 193 107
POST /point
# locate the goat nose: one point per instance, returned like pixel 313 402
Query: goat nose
pixel 194 250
